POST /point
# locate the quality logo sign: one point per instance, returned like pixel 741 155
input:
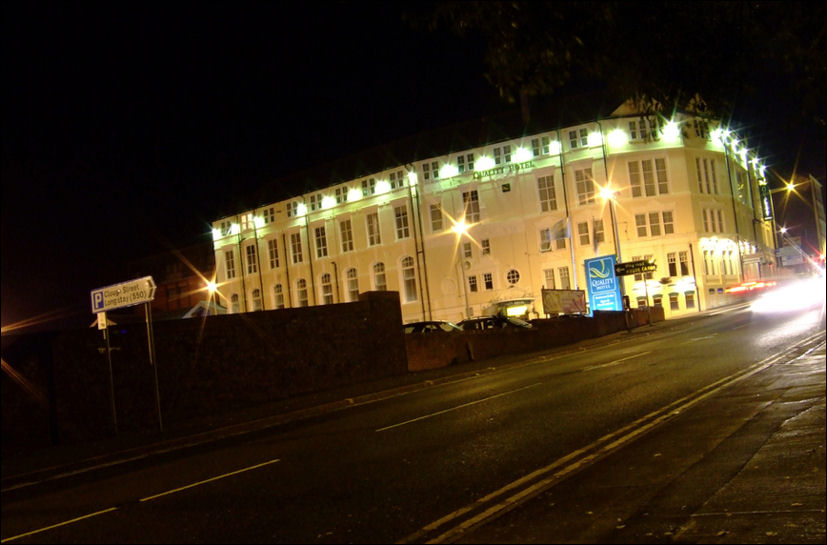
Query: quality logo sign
pixel 603 285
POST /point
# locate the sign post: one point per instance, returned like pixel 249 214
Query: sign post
pixel 127 294
pixel 638 267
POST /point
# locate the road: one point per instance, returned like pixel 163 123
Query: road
pixel 492 457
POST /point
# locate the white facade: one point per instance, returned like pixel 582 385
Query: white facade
pixel 672 185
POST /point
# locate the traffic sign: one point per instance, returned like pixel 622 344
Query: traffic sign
pixel 634 267
pixel 125 294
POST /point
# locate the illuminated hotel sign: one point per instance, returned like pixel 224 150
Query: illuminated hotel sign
pixel 504 169
pixel 604 289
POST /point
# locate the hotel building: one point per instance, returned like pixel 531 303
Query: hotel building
pixel 486 229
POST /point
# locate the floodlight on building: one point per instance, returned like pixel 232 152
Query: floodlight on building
pixel 555 148
pixel 522 155
pixel 448 170
pixel 483 163
pixel 258 222
pixel 595 139
pixel 671 132
pixel 618 138
pixel 328 202
pixel 301 209
pixel 235 229
pixel 216 234
pixel 353 195
pixel 382 187
pixel 412 178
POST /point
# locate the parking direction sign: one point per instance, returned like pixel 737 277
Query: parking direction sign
pixel 635 267
pixel 125 294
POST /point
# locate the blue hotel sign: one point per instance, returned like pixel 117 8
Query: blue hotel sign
pixel 603 285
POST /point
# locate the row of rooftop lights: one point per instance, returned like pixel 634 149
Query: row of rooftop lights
pixel 616 138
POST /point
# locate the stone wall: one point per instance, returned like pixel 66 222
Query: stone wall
pixel 206 367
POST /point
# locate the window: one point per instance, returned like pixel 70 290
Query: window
pixel 640 224
pixel 292 209
pixel 397 179
pixel 485 244
pixel 513 276
pixel 269 215
pixel 278 296
pixel 583 141
pixel 296 247
pixel 668 223
pixel 561 243
pixel 229 261
pixel 652 175
pixel 409 278
pixel 565 283
pixel 497 156
pixel 545 188
pixel 430 170
pixel 341 194
pixel 374 237
pixel 654 224
pixel 316 201
pixel 379 277
pixel 301 292
pixel 545 240
pixel 234 303
pixel 536 149
pixel 436 218
pixel 710 223
pixel 466 249
pixel 672 259
pixel 368 187
pixel 707 178
pixel 256 299
pixel 273 253
pixel 401 213
pixel 673 301
pixel 583 232
pixel 641 276
pixel 470 161
pixel 683 256
pixel 488 281
pixel 251 259
pixel 657 300
pixel 472 283
pixel 599 235
pixel 321 242
pixel 548 274
pixel 507 154
pixel 460 163
pixel 689 296
pixel 585 186
pixel 471 202
pixel 352 285
pixel 346 232
pixel 327 289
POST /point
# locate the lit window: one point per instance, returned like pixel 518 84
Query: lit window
pixel 301 292
pixel 436 218
pixel 278 296
pixel 352 285
pixel 401 213
pixel 545 189
pixel 296 247
pixel 585 186
pixel 229 261
pixel 471 202
pixel 374 237
pixel 346 233
pixel 472 283
pixel 321 242
pixel 379 277
pixel 327 289
pixel 409 278
pixel 251 259
pixel 273 253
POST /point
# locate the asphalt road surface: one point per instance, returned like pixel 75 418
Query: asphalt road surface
pixel 587 445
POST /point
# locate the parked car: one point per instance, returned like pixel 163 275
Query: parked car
pixel 482 323
pixel 430 326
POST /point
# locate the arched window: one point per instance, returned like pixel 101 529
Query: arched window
pixel 408 279
pixel 256 299
pixel 301 292
pixel 513 276
pixel 234 303
pixel 278 296
pixel 379 282
pixel 327 290
pixel 352 285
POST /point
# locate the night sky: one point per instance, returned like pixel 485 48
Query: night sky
pixel 128 127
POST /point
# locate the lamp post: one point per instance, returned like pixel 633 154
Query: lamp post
pixel 460 228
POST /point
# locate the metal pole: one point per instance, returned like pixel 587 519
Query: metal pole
pixel 111 379
pixel 153 363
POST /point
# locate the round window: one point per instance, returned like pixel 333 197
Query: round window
pixel 513 276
